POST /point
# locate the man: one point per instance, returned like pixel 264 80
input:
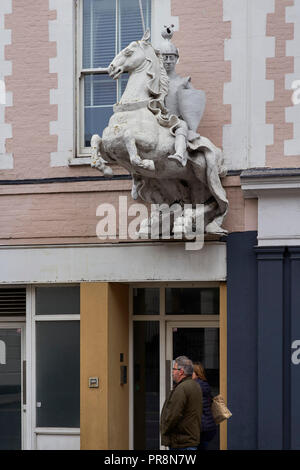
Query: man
pixel 182 410
pixel 182 99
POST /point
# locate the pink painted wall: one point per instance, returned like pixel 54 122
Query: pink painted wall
pixel 30 84
pixel 200 41
pixel 66 212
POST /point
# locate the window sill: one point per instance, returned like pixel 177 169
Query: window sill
pixel 80 161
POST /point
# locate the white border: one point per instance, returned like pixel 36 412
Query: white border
pixel 6 159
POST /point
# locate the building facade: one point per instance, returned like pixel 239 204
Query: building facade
pixel 89 326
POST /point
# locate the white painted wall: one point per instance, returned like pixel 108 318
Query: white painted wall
pixel 161 15
pixel 246 138
pixel 292 113
pixel 61 31
pixel 278 208
pixel 6 160
pixel 279 219
pixel 115 263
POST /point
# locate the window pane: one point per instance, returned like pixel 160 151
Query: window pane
pixel 99 33
pixel 58 374
pixel 101 42
pixel 99 90
pixel 146 385
pixel 146 301
pixel 100 93
pixel 58 300
pixel 131 26
pixel 192 301
pixel 201 345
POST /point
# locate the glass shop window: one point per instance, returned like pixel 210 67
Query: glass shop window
pixel 108 26
pixel 58 357
pixel 192 301
pixel 146 301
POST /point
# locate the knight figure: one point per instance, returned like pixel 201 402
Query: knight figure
pixel 182 99
pixel 153 134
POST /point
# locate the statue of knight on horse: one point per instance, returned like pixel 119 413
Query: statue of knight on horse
pixel 153 134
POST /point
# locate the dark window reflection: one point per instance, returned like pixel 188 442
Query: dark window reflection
pixel 146 385
pixel 10 389
pixel 146 301
pixel 58 373
pixel 192 301
pixel 201 345
pixel 58 300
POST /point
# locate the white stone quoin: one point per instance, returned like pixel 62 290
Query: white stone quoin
pixel 61 31
pixel 6 159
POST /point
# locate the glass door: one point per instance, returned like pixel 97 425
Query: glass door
pixel 200 343
pixel 11 385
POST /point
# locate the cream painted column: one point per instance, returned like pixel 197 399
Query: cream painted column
pixel 104 335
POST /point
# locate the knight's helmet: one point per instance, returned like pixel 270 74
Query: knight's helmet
pixel 166 46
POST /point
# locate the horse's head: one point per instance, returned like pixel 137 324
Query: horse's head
pixel 130 58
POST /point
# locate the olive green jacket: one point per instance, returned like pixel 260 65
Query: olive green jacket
pixel 181 415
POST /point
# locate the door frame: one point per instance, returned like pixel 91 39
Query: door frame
pixel 13 325
pixel 165 320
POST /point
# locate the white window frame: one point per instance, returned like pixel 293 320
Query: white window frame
pixel 37 431
pixel 81 73
pixel 165 323
pixel 160 15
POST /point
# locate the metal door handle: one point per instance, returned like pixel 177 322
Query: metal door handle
pixel 168 377
pixel 24 382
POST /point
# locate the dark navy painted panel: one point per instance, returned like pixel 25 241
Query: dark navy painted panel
pixel 295 335
pixel 270 347
pixel 242 340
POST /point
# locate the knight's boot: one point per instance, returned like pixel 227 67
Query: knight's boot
pixel 180 155
pixel 178 158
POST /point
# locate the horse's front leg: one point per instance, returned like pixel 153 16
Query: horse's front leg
pixel 96 160
pixel 135 159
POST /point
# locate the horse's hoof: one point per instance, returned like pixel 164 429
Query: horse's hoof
pixel 107 171
pixel 148 165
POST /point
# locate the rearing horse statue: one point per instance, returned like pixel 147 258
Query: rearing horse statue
pixel 141 135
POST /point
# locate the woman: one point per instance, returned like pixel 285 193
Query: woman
pixel 208 425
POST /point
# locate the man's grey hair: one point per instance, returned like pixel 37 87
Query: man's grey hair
pixel 186 364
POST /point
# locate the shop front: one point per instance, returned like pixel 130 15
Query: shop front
pixel 85 361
